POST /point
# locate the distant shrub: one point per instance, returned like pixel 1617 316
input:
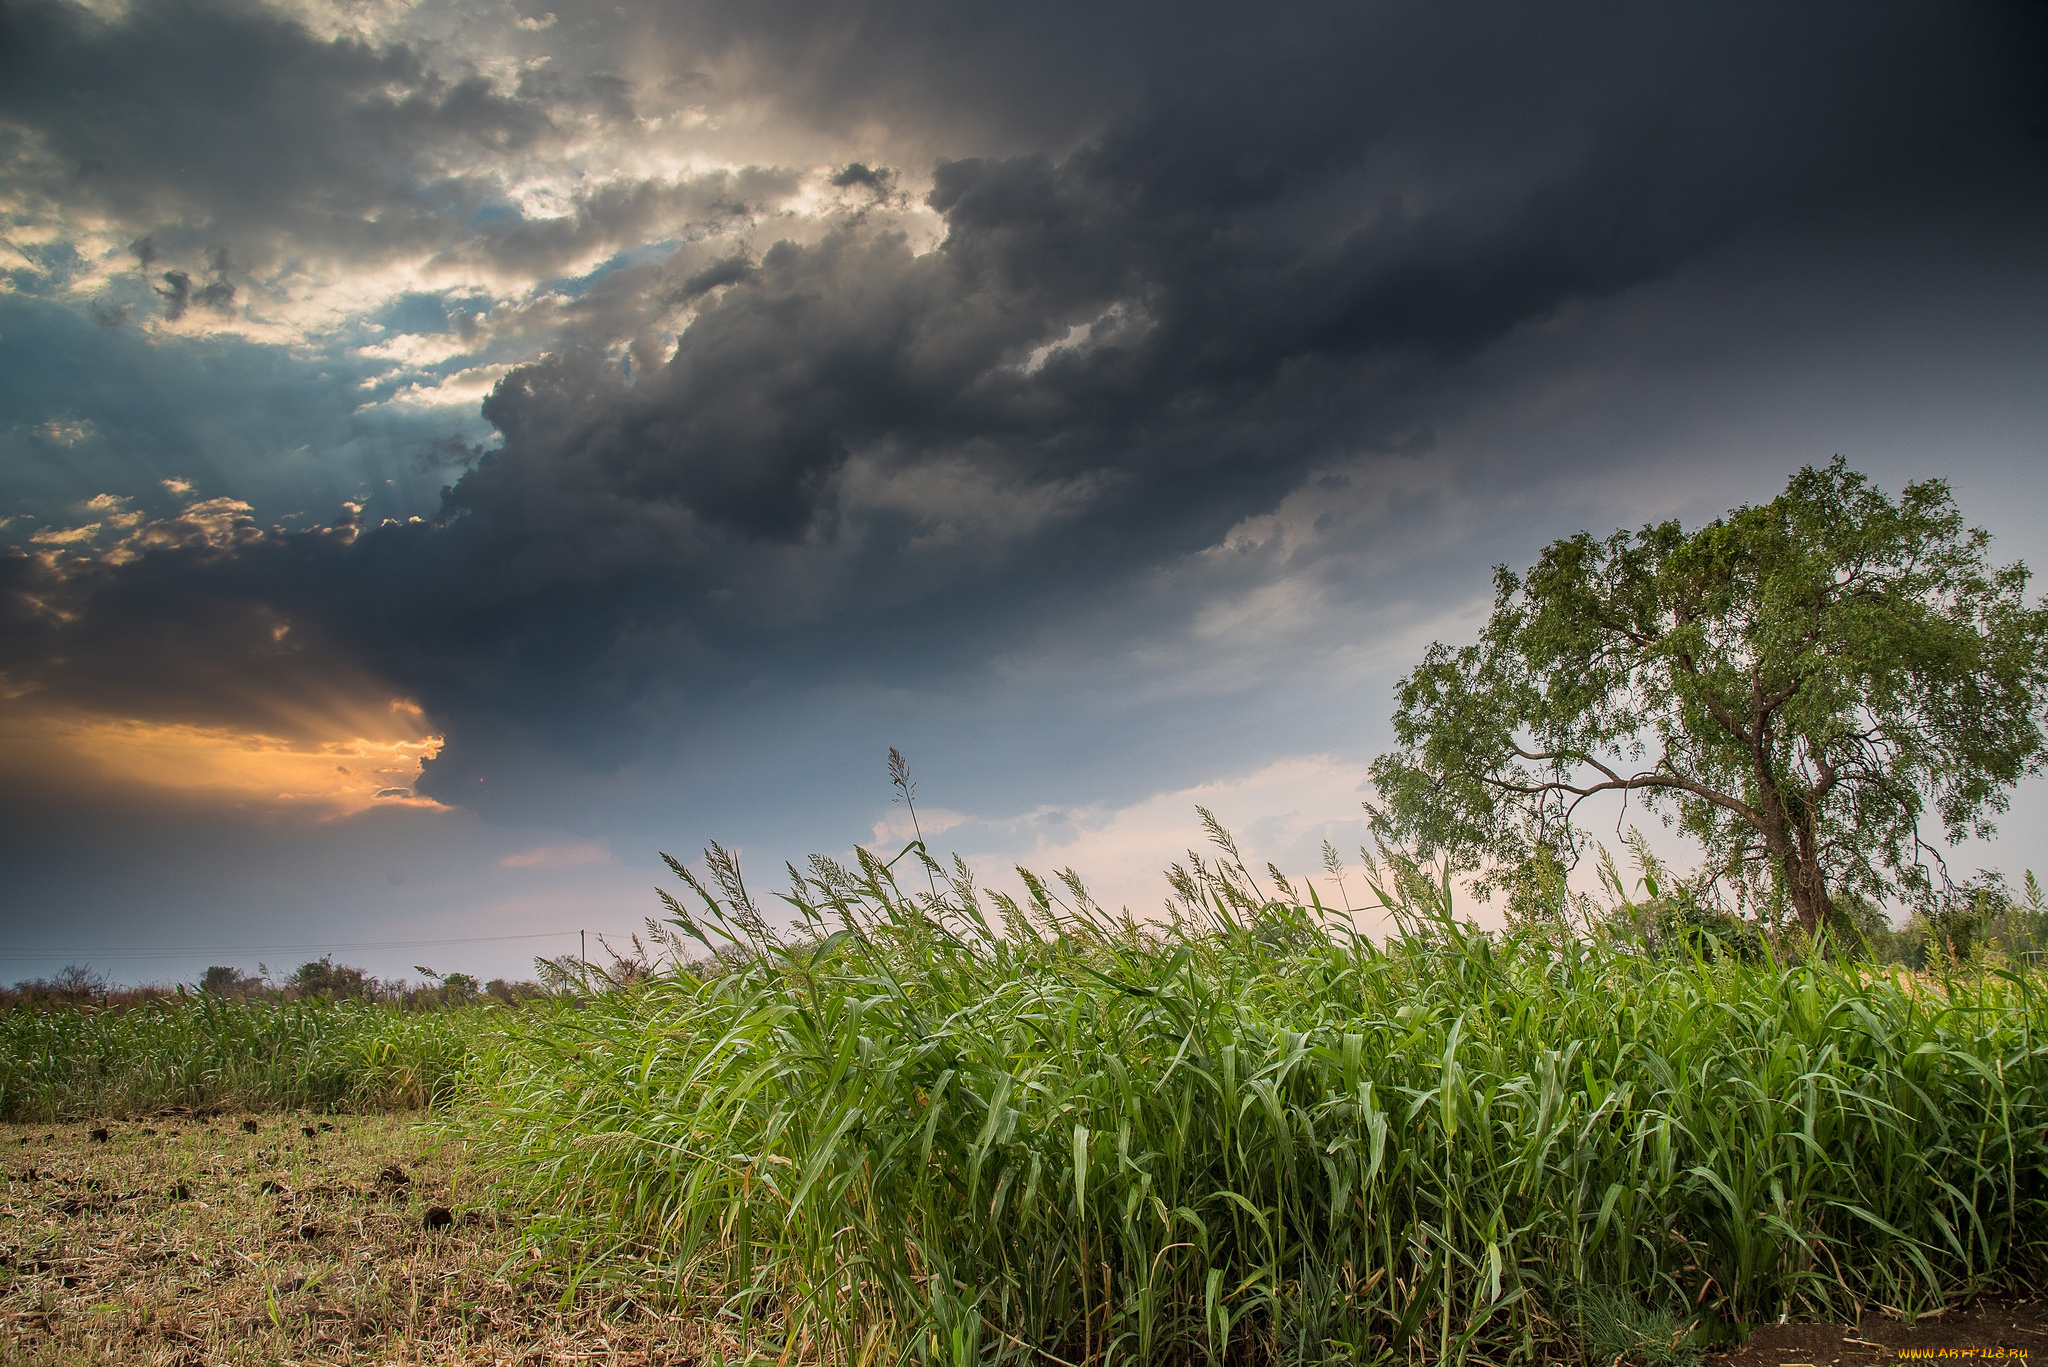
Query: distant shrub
pixel 322 977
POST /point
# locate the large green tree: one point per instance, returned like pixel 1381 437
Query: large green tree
pixel 1798 686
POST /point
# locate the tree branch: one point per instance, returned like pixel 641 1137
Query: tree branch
pixel 1634 783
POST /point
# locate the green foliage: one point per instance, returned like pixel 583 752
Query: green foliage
pixel 1617 1330
pixel 1979 921
pixel 223 981
pixel 1959 922
pixel 1798 686
pixel 2022 931
pixel 973 1128
pixel 323 977
pixel 1666 914
pixel 204 1050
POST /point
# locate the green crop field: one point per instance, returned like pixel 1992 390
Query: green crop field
pixel 966 1129
pixel 208 1053
pixel 953 1127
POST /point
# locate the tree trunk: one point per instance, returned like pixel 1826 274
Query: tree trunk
pixel 1791 843
pixel 1809 889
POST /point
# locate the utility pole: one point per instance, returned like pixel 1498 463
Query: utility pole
pixel 583 947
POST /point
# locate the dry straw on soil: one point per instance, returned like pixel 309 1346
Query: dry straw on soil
pixel 180 1241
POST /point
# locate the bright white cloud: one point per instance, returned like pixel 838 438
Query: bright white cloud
pixel 571 855
pixel 1282 813
pixel 464 389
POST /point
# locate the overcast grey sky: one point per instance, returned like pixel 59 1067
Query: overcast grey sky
pixel 450 451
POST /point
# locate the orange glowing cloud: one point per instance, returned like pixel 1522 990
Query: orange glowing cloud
pixel 344 763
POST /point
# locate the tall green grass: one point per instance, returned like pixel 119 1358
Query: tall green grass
pixel 205 1051
pixel 956 1127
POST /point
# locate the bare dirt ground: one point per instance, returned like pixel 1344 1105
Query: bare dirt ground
pixel 192 1242
pixel 2012 1331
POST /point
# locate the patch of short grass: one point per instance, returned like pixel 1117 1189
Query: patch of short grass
pixel 1619 1331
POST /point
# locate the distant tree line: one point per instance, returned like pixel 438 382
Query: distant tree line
pixel 317 979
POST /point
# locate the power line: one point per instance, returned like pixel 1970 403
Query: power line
pixel 204 951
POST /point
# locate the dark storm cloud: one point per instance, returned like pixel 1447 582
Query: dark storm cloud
pixel 187 641
pixel 240 116
pixel 1249 275
pixel 628 212
pixel 1487 83
pixel 178 295
pixel 858 173
pixel 226 127
pixel 1275 243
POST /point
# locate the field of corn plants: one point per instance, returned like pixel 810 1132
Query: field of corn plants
pixel 205 1052
pixel 953 1127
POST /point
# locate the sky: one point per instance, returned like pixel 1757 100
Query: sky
pixel 453 451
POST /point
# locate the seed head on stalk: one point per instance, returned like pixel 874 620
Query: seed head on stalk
pixel 906 793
